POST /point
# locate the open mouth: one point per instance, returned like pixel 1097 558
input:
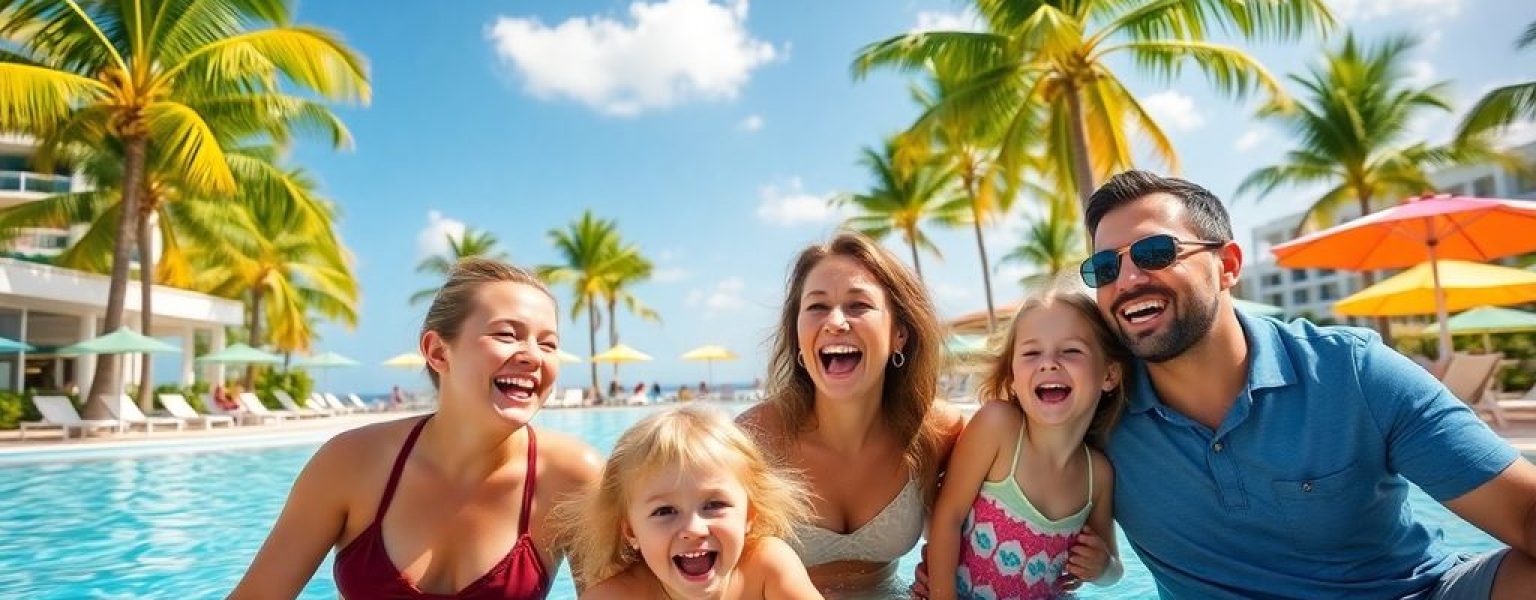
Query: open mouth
pixel 1051 393
pixel 1137 312
pixel 696 566
pixel 839 359
pixel 516 387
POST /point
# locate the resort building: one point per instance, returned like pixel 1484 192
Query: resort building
pixel 1312 292
pixel 50 307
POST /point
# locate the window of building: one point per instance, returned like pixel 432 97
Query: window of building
pixel 1276 299
pixel 1525 183
pixel 13 163
pixel 1484 187
pixel 1298 274
pixel 1459 189
pixel 1302 296
pixel 1324 272
pixel 1328 292
pixel 1273 280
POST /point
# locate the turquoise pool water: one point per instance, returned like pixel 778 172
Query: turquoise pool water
pixel 186 525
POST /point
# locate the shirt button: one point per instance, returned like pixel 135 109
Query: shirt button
pixel 1217 447
pixel 1306 486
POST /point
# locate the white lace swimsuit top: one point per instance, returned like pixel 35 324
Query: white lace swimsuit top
pixel 887 537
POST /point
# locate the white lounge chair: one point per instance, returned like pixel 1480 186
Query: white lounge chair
pixel 59 413
pixel 572 399
pixel 358 403
pixel 252 404
pixel 128 412
pixel 330 400
pixel 178 407
pixel 637 400
pixel 308 409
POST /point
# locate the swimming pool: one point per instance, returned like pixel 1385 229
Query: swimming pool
pixel 186 524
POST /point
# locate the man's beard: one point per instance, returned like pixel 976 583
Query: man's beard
pixel 1185 330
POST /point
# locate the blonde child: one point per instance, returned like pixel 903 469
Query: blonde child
pixel 1025 507
pixel 687 507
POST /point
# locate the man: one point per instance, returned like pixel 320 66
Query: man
pixel 1260 459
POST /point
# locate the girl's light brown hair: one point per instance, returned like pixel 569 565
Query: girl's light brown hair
pixel 689 437
pixel 906 400
pixel 998 383
pixel 456 299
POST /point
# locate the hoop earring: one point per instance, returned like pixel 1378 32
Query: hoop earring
pixel 800 359
pixel 898 359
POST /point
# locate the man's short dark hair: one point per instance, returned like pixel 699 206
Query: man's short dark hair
pixel 1207 217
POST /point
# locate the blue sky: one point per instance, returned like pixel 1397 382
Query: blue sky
pixel 712 133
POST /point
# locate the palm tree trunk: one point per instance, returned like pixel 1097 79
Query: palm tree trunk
pixel 255 341
pixel 1082 168
pixel 912 243
pixel 592 343
pixel 146 312
pixel 613 330
pixel 981 248
pixel 105 380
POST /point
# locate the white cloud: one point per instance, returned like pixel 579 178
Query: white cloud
pixel 1516 134
pixel 1420 73
pixel 752 123
pixel 669 274
pixel 936 20
pixel 1363 10
pixel 791 206
pixel 666 53
pixel 949 292
pixel 433 239
pixel 725 296
pixel 1173 110
pixel 1251 139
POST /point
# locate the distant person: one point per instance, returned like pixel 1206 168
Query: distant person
pixel 656 390
pixel 613 389
pixel 684 394
pixel 225 399
pixel 682 480
pixel 396 397
pixel 463 495
pixel 703 390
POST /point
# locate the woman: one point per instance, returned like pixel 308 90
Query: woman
pixel 850 403
pixel 456 503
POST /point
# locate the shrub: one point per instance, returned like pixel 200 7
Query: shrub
pixel 296 382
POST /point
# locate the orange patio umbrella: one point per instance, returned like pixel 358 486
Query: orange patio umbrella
pixel 1427 229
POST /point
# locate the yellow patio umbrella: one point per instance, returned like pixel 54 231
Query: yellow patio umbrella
pixel 406 360
pixel 1465 285
pixel 620 354
pixel 710 354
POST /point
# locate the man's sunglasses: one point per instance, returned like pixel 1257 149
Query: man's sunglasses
pixel 1150 253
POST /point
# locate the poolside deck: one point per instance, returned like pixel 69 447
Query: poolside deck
pixel 11 443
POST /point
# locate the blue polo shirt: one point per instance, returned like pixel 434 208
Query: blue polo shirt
pixel 1301 492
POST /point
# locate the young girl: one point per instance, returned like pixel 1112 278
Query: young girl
pixel 687 507
pixel 1025 507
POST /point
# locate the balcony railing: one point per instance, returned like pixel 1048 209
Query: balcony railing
pixel 27 181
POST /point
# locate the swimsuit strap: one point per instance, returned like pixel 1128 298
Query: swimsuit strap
pixel 529 481
pixel 394 474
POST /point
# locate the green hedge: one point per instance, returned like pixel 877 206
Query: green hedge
pixel 15 408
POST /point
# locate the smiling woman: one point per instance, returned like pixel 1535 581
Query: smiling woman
pixel 465 491
pixel 849 403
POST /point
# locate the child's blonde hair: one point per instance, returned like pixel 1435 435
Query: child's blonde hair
pixel 688 437
pixel 998 383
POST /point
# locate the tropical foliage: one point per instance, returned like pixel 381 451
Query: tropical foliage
pixel 181 80
pixel 1505 105
pixel 470 242
pixel 1050 245
pixel 906 195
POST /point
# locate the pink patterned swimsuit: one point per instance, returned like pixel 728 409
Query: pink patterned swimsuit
pixel 1009 549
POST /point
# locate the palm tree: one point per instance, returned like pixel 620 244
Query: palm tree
pixel 591 250
pixel 467 244
pixel 166 206
pixel 626 270
pixel 1504 105
pixel 285 265
pixel 1056 55
pixel 906 194
pixel 1051 244
pixel 1353 134
pixel 181 76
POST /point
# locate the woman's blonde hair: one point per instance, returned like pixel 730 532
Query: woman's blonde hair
pixel 689 437
pixel 906 400
pixel 998 383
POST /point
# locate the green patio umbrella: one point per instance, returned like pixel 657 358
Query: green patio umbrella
pixel 1257 308
pixel 122 341
pixel 8 345
pixel 327 361
pixel 1486 320
pixel 239 354
pixel 965 345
